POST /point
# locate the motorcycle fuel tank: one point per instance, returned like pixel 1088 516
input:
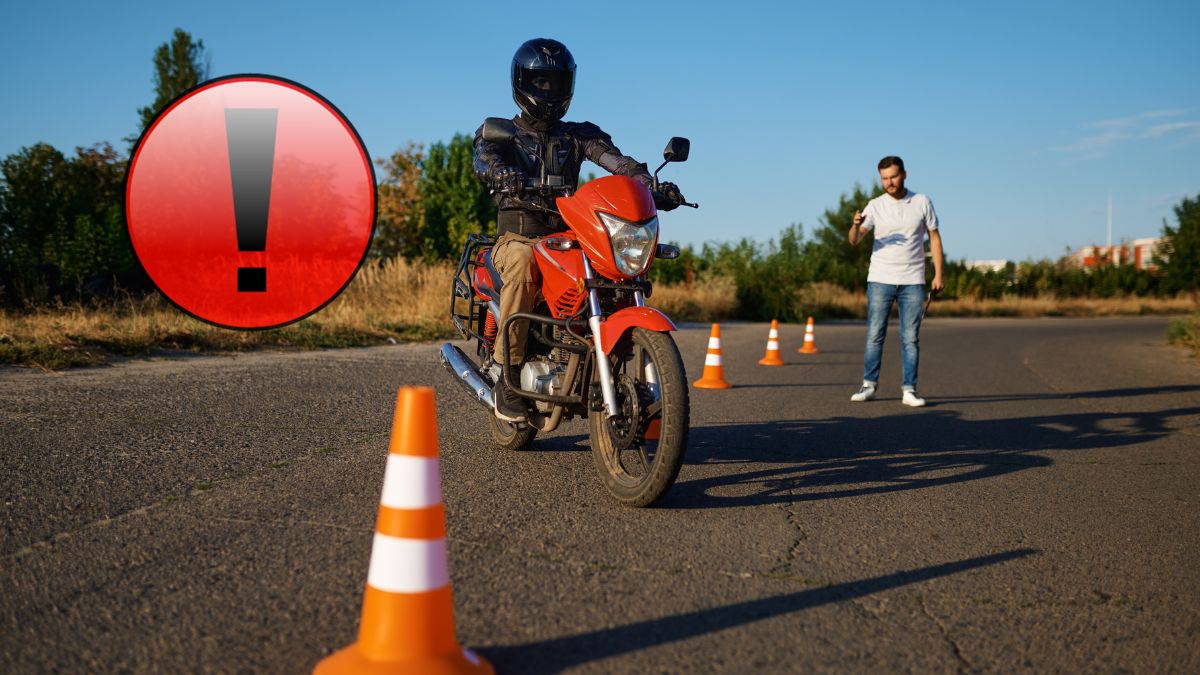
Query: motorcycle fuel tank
pixel 562 278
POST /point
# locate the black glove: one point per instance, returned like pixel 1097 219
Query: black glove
pixel 509 180
pixel 668 196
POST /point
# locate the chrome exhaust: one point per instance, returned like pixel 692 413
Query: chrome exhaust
pixel 465 372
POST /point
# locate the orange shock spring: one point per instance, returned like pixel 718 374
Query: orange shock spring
pixel 489 330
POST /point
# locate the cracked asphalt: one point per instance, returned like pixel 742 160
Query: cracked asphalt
pixel 214 513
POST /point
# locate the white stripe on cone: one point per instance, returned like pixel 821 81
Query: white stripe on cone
pixel 772 344
pixel 712 359
pixel 411 482
pixel 714 343
pixel 408 565
pixel 773 335
pixel 808 337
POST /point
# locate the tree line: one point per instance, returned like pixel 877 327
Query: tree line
pixel 62 224
pixel 771 278
pixel 62 230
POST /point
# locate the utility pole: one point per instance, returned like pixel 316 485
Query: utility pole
pixel 1108 243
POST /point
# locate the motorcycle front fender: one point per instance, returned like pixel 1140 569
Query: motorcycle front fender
pixel 613 327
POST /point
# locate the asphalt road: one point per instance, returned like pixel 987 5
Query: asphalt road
pixel 214 514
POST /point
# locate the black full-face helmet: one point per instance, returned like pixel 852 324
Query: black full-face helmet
pixel 543 79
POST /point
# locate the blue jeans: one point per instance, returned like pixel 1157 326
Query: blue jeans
pixel 879 305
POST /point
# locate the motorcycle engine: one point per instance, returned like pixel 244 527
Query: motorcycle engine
pixel 543 377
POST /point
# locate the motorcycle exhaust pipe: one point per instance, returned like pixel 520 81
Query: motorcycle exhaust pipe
pixel 464 371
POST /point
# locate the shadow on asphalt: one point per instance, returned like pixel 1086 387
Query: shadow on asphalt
pixel 557 654
pixel 851 456
pixel 796 385
pixel 838 457
pixel 1106 393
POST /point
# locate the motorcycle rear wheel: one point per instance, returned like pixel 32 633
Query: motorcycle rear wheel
pixel 508 436
pixel 638 470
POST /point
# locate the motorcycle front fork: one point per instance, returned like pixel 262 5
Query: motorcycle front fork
pixel 603 367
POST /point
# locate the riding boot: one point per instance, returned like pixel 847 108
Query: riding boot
pixel 509 405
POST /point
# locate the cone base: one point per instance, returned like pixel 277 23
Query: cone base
pixel 351 660
pixel 711 384
pixel 813 350
pixel 770 361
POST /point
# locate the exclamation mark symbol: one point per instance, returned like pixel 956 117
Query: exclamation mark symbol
pixel 251 136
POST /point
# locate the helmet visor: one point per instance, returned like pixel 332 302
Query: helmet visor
pixel 546 84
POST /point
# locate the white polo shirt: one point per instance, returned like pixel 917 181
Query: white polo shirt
pixel 898 255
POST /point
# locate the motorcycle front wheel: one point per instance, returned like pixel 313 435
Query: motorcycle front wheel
pixel 639 451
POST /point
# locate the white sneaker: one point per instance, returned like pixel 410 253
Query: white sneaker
pixel 865 394
pixel 911 399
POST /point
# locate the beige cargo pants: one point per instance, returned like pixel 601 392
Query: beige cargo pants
pixel 513 257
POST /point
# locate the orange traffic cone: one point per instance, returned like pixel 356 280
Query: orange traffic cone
pixel 772 357
pixel 810 343
pixel 714 372
pixel 408 613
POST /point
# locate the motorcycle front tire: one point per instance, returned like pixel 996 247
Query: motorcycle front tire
pixel 644 488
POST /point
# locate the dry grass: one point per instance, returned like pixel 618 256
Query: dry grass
pixel 409 301
pixel 716 299
pixel 1185 332
pixel 1051 306
pixel 398 300
pixel 711 300
pixel 396 297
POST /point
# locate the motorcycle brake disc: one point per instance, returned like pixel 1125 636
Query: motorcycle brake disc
pixel 622 427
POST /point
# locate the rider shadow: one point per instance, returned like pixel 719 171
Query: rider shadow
pixel 557 654
pixel 810 460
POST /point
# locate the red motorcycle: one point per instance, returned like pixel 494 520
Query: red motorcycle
pixel 595 349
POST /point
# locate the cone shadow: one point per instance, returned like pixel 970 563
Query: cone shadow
pixel 558 654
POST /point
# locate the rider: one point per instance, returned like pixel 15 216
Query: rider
pixel 543 80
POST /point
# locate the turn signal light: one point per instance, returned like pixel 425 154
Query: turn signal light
pixel 559 243
pixel 667 252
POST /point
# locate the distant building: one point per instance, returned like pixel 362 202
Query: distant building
pixel 1144 250
pixel 987 265
pixel 1139 253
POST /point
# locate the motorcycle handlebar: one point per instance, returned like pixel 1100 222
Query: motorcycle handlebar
pixel 550 191
pixel 538 189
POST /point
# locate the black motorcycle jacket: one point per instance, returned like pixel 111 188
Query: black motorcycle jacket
pixel 559 148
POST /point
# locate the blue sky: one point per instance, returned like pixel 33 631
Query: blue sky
pixel 1018 119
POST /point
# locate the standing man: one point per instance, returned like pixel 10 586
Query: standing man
pixel 901 218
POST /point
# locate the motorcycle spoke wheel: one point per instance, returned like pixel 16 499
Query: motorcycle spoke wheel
pixel 639 451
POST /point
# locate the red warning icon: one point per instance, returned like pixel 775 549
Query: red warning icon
pixel 250 201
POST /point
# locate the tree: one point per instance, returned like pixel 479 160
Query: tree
pixel 401 217
pixel 838 260
pixel 60 221
pixel 767 283
pixel 454 202
pixel 1180 255
pixel 30 213
pixel 179 65
pixel 91 239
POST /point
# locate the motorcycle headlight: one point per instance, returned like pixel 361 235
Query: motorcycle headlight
pixel 632 243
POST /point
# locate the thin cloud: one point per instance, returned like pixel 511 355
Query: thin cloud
pixel 1190 129
pixel 1111 132
pixel 1136 120
pixel 1095 145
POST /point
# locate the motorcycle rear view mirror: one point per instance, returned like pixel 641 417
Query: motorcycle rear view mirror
pixel 500 130
pixel 677 149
